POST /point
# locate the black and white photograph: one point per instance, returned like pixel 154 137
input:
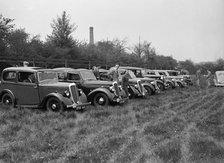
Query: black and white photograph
pixel 122 81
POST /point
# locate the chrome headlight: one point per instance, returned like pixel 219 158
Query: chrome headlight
pixel 67 93
pixel 111 88
pixel 120 87
pixel 80 92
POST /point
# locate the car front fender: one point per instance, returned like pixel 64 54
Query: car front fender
pixel 65 100
pixel 109 94
pixel 149 85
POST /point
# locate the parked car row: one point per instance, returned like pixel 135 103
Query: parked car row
pixel 61 88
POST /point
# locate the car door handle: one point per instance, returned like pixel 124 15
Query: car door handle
pixel 35 87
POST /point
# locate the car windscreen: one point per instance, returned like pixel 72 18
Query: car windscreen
pixel 46 76
pixel 131 73
pixel 88 75
pixel 173 73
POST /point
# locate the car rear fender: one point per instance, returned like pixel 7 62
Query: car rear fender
pixel 100 90
pixel 64 100
pixel 6 91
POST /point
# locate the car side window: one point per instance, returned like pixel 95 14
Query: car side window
pixel 26 77
pixel 151 73
pixel 73 77
pixel 9 76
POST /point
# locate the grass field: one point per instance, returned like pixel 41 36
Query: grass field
pixel 180 125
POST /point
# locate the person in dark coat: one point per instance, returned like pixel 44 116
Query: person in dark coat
pixel 125 81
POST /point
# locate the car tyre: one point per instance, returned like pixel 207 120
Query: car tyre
pixel 54 104
pixel 8 100
pixel 170 85
pixel 180 84
pixel 161 86
pixel 148 91
pixel 100 99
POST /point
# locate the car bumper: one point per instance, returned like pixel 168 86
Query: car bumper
pixel 78 106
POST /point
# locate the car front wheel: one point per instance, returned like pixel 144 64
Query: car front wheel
pixel 148 91
pixel 54 104
pixel 7 100
pixel 100 99
pixel 161 86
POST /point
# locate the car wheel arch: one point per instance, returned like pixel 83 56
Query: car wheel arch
pixel 92 94
pixel 7 91
pixel 150 86
pixel 57 95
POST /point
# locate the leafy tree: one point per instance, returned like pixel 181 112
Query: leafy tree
pixel 62 30
pixel 18 43
pixel 5 28
pixel 138 49
pixel 187 65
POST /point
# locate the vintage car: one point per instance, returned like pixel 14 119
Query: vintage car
pixel 174 77
pixel 137 87
pixel 98 92
pixel 159 76
pixel 136 72
pixel 38 87
pixel 184 78
pixel 219 79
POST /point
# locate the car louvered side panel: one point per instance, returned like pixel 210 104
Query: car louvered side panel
pixel 74 92
pixel 140 87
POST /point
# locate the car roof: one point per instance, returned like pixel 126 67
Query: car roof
pixel 67 69
pixel 63 68
pixel 130 68
pixel 103 70
pixel 29 69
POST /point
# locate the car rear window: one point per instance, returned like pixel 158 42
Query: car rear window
pixel 9 76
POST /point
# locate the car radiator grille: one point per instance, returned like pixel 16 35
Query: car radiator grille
pixel 74 92
pixel 139 83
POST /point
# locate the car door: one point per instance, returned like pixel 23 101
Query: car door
pixel 27 89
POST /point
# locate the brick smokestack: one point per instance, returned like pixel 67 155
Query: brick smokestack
pixel 91 36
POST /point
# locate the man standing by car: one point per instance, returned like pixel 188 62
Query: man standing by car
pixel 113 73
pixel 96 72
pixel 125 81
pixel 198 77
pixel 208 80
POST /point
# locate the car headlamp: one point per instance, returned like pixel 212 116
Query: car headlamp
pixel 80 92
pixel 111 88
pixel 67 93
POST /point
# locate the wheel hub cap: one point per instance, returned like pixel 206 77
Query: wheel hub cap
pixel 53 106
pixel 101 100
pixel 7 102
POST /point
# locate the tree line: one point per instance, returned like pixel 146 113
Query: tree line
pixel 60 44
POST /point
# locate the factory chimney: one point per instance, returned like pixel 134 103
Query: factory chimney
pixel 91 37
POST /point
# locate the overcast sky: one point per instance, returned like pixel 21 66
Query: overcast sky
pixel 184 29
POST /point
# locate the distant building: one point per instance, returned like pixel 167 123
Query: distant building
pixel 91 36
